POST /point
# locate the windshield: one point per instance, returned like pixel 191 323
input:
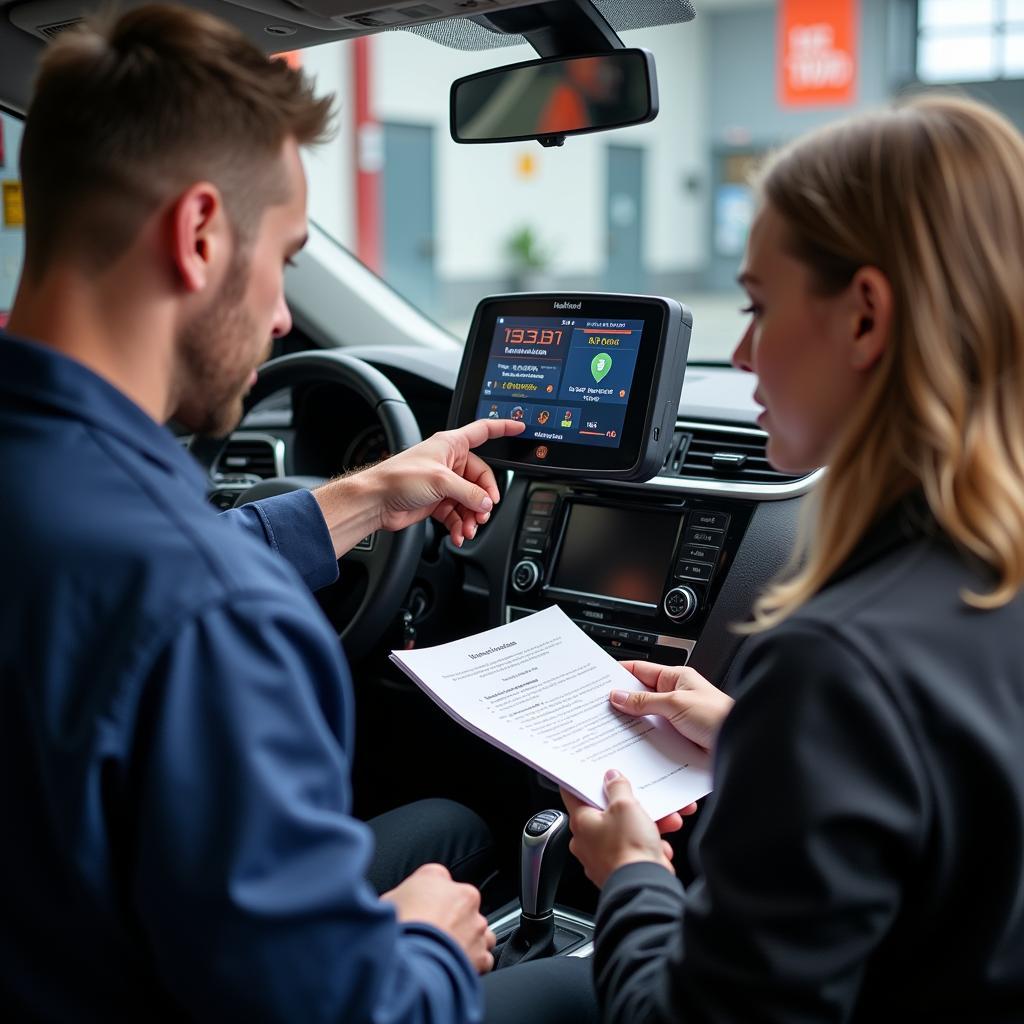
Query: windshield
pixel 661 208
pixel 446 224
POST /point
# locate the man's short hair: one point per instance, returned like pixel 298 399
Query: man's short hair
pixel 128 111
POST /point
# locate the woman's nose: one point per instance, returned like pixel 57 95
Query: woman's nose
pixel 741 354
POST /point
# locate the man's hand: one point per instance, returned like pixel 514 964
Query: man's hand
pixel 429 895
pixel 692 705
pixel 439 477
pixel 443 478
pixel 603 841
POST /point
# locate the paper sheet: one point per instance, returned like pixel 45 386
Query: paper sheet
pixel 538 689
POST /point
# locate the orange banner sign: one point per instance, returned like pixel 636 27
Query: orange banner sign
pixel 817 52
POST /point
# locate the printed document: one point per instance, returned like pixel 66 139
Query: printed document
pixel 538 689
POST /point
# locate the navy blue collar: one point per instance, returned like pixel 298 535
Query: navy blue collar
pixel 38 375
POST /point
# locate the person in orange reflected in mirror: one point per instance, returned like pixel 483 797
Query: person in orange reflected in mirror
pixel 845 869
pixel 587 85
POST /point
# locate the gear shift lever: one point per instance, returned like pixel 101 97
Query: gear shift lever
pixel 541 858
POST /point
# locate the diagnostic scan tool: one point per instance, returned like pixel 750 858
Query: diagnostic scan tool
pixel 595 377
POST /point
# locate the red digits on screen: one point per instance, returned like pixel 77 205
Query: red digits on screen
pixel 531 336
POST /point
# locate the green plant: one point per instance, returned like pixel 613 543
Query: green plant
pixel 525 252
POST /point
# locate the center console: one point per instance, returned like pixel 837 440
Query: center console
pixel 595 381
pixel 638 574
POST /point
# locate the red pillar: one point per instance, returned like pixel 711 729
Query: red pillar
pixel 368 150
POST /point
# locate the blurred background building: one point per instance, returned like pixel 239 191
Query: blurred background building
pixel 663 207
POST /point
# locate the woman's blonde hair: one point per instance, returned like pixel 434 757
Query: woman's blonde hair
pixel 931 192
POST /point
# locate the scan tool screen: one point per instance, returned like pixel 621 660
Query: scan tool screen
pixel 595 379
pixel 568 379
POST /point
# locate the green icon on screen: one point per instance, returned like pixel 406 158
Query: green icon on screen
pixel 600 365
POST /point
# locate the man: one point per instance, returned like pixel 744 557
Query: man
pixel 175 713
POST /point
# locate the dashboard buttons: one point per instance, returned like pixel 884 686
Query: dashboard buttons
pixel 696 535
pixel 698 553
pixel 542 503
pixel 680 604
pixel 525 575
pixel 702 544
pixel 686 570
pixel 709 520
pixel 533 538
pixel 533 542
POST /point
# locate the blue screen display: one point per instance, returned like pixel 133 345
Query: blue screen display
pixel 567 379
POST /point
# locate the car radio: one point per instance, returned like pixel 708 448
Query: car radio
pixel 639 576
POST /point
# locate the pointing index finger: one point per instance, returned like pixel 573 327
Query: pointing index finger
pixel 478 431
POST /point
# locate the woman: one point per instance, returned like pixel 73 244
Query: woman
pixel 862 856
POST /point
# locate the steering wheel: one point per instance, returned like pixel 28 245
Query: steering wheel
pixel 388 559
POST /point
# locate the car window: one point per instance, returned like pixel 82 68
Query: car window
pixel 446 224
pixel 663 207
pixel 12 238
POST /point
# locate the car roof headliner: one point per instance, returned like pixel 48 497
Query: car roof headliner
pixel 25 25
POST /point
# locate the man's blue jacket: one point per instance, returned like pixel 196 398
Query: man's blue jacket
pixel 175 717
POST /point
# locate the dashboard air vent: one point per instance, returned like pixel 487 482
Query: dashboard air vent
pixel 706 452
pixel 249 455
pixel 54 29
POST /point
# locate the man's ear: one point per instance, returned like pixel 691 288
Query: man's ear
pixel 200 239
pixel 871 301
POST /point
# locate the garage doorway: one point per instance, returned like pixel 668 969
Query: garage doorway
pixel 408 245
pixel 624 220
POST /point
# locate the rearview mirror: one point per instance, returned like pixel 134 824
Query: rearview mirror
pixel 554 97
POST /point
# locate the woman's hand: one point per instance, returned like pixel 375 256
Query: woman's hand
pixel 623 833
pixel 683 697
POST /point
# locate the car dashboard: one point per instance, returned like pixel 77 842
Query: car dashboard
pixel 661 570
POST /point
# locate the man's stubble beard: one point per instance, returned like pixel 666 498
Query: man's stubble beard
pixel 215 356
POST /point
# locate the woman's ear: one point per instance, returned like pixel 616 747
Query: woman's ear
pixel 871 299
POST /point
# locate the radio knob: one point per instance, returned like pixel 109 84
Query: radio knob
pixel 680 604
pixel 525 576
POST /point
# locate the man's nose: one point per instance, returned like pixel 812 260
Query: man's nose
pixel 282 318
